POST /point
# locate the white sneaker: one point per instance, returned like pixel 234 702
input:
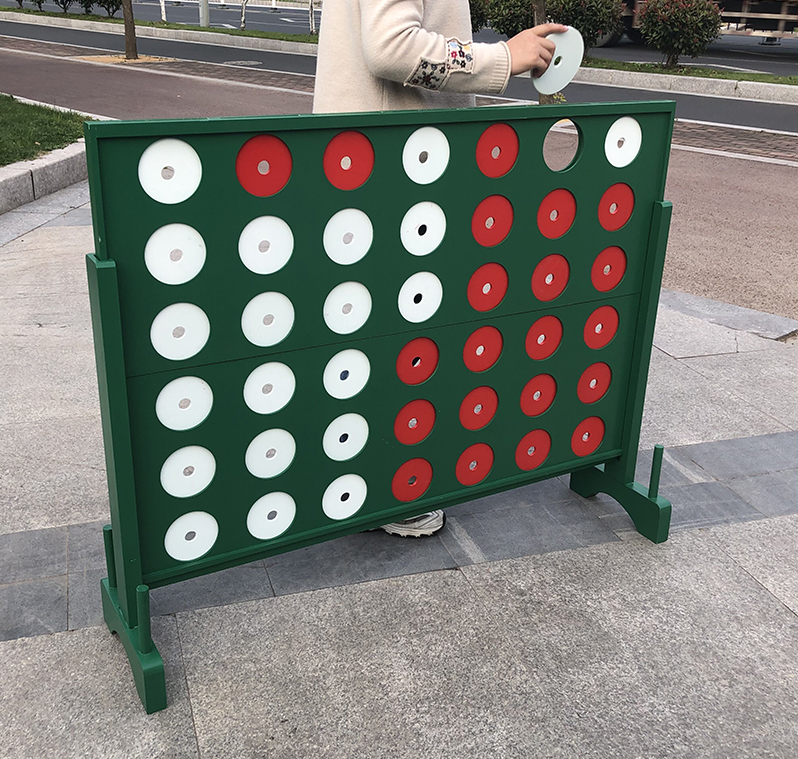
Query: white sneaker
pixel 417 527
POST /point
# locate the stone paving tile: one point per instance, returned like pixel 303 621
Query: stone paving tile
pixel 86 548
pixel 85 603
pixel 71 696
pixel 79 217
pixel 355 559
pixel 14 224
pixel 774 494
pixel 35 607
pixel 32 555
pixel 546 491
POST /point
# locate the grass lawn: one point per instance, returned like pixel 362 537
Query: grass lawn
pixel 30 130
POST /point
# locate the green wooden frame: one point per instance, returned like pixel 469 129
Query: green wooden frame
pixel 610 470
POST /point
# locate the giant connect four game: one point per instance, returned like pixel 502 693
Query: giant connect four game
pixel 310 326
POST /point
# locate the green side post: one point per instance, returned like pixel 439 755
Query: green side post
pixel 656 468
pixel 108 539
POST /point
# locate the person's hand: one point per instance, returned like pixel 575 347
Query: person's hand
pixel 531 51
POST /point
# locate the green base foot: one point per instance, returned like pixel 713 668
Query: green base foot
pixel 651 516
pixel 148 671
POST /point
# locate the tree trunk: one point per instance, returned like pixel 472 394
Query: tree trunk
pixel 312 13
pixel 131 52
pixel 243 24
pixel 163 11
pixel 539 9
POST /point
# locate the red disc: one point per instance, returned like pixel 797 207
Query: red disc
pixel 487 287
pixel 492 220
pixel 601 327
pixel 412 480
pixel 478 408
pixel 616 206
pixel 556 213
pixel 414 422
pixel 594 383
pixel 348 160
pixel 544 337
pixel 263 165
pixel 550 277
pixel 497 150
pixel 608 269
pixel 587 436
pixel 474 464
pixel 417 361
pixel 482 349
pixel 533 449
pixel 538 394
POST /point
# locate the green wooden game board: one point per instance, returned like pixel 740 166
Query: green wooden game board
pixel 311 326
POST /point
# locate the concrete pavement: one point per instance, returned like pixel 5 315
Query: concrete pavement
pixel 538 624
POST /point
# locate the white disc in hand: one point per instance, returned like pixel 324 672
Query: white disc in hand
pixel 564 64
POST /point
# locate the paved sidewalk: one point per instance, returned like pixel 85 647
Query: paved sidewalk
pixel 538 624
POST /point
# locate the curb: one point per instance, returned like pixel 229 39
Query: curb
pixel 692 85
pixel 26 181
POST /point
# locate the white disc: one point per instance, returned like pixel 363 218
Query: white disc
pixel 267 319
pixel 266 244
pixel 346 374
pixel 426 155
pixel 180 331
pixel 347 307
pixel 170 171
pixel 345 437
pixel 269 388
pixel 270 453
pixel 565 62
pixel 420 297
pixel 423 228
pixel 191 536
pixel 348 236
pixel 344 496
pixel 271 515
pixel 175 254
pixel 188 471
pixel 623 142
pixel 184 403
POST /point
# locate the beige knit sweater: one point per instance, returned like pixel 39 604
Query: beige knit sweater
pixel 380 55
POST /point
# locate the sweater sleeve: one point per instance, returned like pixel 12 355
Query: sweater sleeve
pixel 398 48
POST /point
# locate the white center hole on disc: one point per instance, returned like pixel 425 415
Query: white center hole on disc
pixel 621 142
pixel 184 403
pixel 344 375
pixel 346 163
pixel 272 515
pixel 496 152
pixel 423 156
pixel 558 60
pixel 268 320
pixel 188 471
pixel 344 496
pixel 167 172
pixel 178 332
pixel 267 388
pixel 190 535
pixel 478 408
pixel 536 395
pixel 593 383
pixel 412 480
pixel 480 350
pixel 486 288
pixel 614 208
pixel 263 167
pixel 586 437
pixel 472 466
pixel 348 237
pixel 346 308
pixel 271 453
pixel 343 437
pixel 176 255
pixel 412 423
pixel 607 269
pixel 264 245
pixel 599 327
pixel 489 222
pixel 416 362
pixel 554 214
pixel 549 279
pixel 541 339
pixel 530 451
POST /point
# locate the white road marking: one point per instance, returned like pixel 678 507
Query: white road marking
pixel 738 126
pixel 289 20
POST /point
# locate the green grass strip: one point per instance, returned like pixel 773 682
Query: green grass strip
pixel 699 71
pixel 30 130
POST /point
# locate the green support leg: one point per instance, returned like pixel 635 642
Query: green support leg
pixel 145 661
pixel 650 512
